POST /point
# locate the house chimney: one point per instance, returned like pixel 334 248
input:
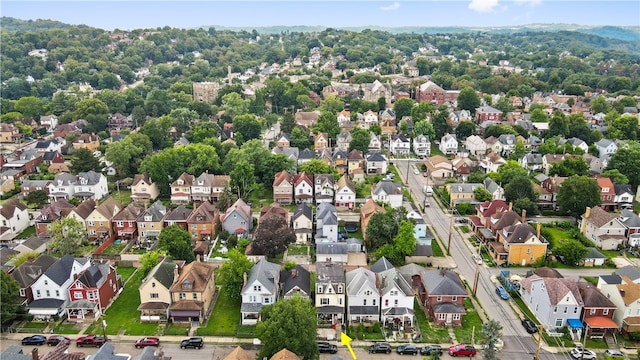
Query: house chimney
pixel 510 206
pixel 583 225
pixel 244 279
pixel 524 216
pixel 538 230
pixel 443 272
pixel 176 274
pixel 198 258
pixel 622 293
pixel 294 272
pixel 34 354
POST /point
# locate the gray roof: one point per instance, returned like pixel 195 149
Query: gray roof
pixel 157 211
pixel 107 352
pixel 423 250
pixel 307 154
pixel 95 275
pixel 61 270
pixel 533 158
pixel 611 279
pixel 300 278
pixel 28 272
pixel 265 273
pixel 629 271
pixel 303 210
pixel 15 352
pixel 629 218
pixel 448 308
pixel 442 282
pixel 360 278
pixel 5 254
pixel 363 310
pixel 621 189
pixel 508 139
pixel 339 154
pixel 464 188
pixel 593 253
pixel 603 143
pixel 411 269
pixel 386 187
pixel 34 183
pixel 393 278
pixel 375 156
pixel 46 303
pixel 250 307
pixel 331 248
pixel 179 213
pixel 381 265
pixel 35 242
pixel 164 273
pixel 490 185
pixel 64 178
pixel 91 176
pixel 329 272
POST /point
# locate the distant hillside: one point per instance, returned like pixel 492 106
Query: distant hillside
pixel 12 24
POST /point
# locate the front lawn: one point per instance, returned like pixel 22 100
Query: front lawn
pixel 435 248
pixel 430 332
pixel 470 321
pixel 297 250
pixel 66 328
pixel 224 318
pixel 123 314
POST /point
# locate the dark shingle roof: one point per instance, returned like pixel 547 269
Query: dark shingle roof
pixel 164 273
pixel 28 272
pixel 61 270
pixel 442 282
pixel 381 265
pixel 296 277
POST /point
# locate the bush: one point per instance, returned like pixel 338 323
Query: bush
pixel 634 336
pixel 376 328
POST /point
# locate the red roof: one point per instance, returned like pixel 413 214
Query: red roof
pixel 601 322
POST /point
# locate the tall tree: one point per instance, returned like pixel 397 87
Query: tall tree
pixel 577 193
pixel 383 227
pixel 248 126
pixel 558 125
pixel 67 235
pixel 360 139
pixel 226 198
pixel 284 318
pixel 316 166
pixel 627 161
pixel 616 176
pixel 509 171
pixel 83 160
pixel 232 273
pixel 272 237
pixel 520 187
pixel 242 178
pixel 300 139
pixel 127 154
pixel 288 123
pixel 465 129
pixel 328 123
pixel 468 99
pixel 424 127
pixel 570 166
pixel 95 112
pixel 176 241
pixel 10 306
pixel 492 332
pixel 402 107
pixel 572 250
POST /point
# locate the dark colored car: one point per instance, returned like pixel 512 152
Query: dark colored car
pixel 57 339
pixel 462 350
pixel 407 349
pixel 431 349
pixel 379 348
pixel 192 342
pixel 147 341
pixel 34 340
pixel 529 326
pixel 90 340
pixel 325 347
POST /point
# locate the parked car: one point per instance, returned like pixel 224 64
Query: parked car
pixel 583 354
pixel 192 342
pixel 416 171
pixel 90 340
pixel 462 350
pixel 325 347
pixel 461 220
pixel 431 349
pixel 57 339
pixel 502 292
pixel 530 326
pixel 147 341
pixel 477 259
pixel 407 349
pixel 380 348
pixel 34 340
pixel 616 354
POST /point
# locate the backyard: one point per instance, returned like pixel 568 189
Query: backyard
pixel 224 318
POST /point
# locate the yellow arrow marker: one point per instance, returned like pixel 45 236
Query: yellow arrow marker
pixel 346 340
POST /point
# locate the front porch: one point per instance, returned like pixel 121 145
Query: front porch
pixel 80 310
pixel 250 313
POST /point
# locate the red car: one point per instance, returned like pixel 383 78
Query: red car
pixel 90 340
pixel 147 341
pixel 462 350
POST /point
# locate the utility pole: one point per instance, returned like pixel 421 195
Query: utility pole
pixel 450 233
pixel 475 279
pixel 536 356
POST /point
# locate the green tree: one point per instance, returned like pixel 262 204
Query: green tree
pixel 176 242
pixel 440 124
pixel 95 112
pixel 272 237
pixel 509 171
pixel 284 318
pixel 492 332
pixel 383 227
pixel 226 198
pixel 360 139
pixel 520 187
pixel 424 127
pixel 243 178
pixel 624 128
pixel 232 273
pixel 421 111
pixel 468 99
pixel 328 123
pixel 127 154
pixel 332 105
pixel 22 258
pixel 537 115
pixel 29 107
pixel 627 160
pixel 83 160
pixel 38 197
pixel 402 107
pixel 558 125
pixel 577 193
pixel 317 166
pixel 481 194
pixel 233 104
pixel 288 123
pixel 149 260
pixel 600 105
pixel 67 235
pixel 570 166
pixel 248 126
pixel 465 129
pixel 405 242
pixel 616 176
pixel 10 306
pixel 573 251
pixel 300 139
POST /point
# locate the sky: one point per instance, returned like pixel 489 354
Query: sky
pixel 128 15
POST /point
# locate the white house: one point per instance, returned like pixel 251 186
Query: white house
pixel 14 218
pixel 49 122
pixel 330 292
pixel 345 193
pixel 422 146
pixel 91 185
pixel 302 188
pixel 552 300
pixel 397 296
pixel 375 143
pixel 476 146
pixel 605 147
pixel 337 252
pixel 370 118
pixel 508 143
pixel 363 296
pixel 388 192
pixel 326 223
pixel 376 163
pixel 62 187
pixel 51 290
pixel 302 221
pixel 448 144
pixel 324 188
pixel 400 145
pixel 603 228
pixel 261 288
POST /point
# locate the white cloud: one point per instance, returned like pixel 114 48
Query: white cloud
pixel 483 6
pixel 530 3
pixel 391 7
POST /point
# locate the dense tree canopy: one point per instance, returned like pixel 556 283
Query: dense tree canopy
pixel 176 242
pixel 577 193
pixel 272 237
pixel 232 273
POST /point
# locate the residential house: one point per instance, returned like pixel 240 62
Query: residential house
pixel 367 210
pixel 339 160
pixel 476 146
pixel 492 162
pixel 81 212
pixel 302 221
pixel 306 118
pixel 151 222
pixel 520 245
pixel 507 143
pixel 337 252
pixel 192 293
pixel 462 193
pixel 32 244
pixel 6 185
pixel 26 163
pixel 376 90
pixel 344 118
pixel 28 186
pixel 325 155
pixel 62 130
pixel 432 93
pixel 326 223
pixel 596 165
pixel 284 140
pixel 548 190
pixel 607 193
pixel 625 295
pixel 388 192
pixel 125 223
pixel 237 219
pixel 631 221
pixel 91 184
pixel 485 210
pixel 576 143
pixel 92 292
pixel 201 188
pixel 28 272
pixel 605 147
pixel 439 168
pixel 295 282
pixel 397 297
pixel 260 288
pixel 531 162
pixel 442 293
pixel 376 163
pixel 501 220
pixel 14 217
pixel 370 118
pixel 462 167
pixel 375 143
pixel 90 142
pixel 493 145
pixel 99 221
pixel 283 188
pixel 448 144
pixel 9 133
pixel 218 185
pixel 593 257
pixel 321 141
pixel 355 161
pixel 343 140
pixel 605 229
pixel 400 145
pixel 496 191
pixel 488 113
pixel 273 209
pixel 624 196
pixel 50 145
pixel 49 122
pixel 550 159
pixel 302 188
pixel 204 222
pixel 422 146
pixel 330 292
pixel 51 213
pixel 155 297
pixel 143 189
pixel 345 193
pixel 553 301
pixel 50 290
pixel 181 189
pixel 324 188
pixel 363 296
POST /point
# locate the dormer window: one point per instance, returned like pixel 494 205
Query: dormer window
pixel 186 284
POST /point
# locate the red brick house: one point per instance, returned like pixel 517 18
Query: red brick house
pixel 51 213
pixel 597 311
pixel 432 93
pixel 488 113
pixel 204 222
pixel 442 294
pixel 125 223
pixel 607 193
pixel 92 291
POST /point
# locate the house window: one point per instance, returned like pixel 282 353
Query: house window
pixel 566 310
pixel 558 322
pixel 529 251
pixel 592 312
pixel 319 291
pixel 555 309
pixel 374 302
pixel 154 295
pixel 456 316
pixel 439 298
pixel 153 284
pixel 38 293
pixel 120 223
pixel 48 293
pixel 364 302
pixel 324 301
pixel 77 295
pixel 22 293
pixel 267 300
pixel 395 302
pixel 393 292
pixel 368 292
pixel 441 316
pixel 46 282
pixel 195 296
pixel 182 296
pixel 57 292
pixel 386 302
pixel 454 298
pixel 605 311
pixel 575 310
pixel 257 288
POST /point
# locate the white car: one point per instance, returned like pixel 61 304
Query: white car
pixel 615 354
pixel 416 171
pixel 581 353
pixel 477 258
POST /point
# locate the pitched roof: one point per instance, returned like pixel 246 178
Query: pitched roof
pixel 355 155
pixel 195 276
pixel 386 187
pixel 241 208
pixel 296 277
pixel 205 213
pixel 265 273
pixel 273 209
pixel 157 211
pixel 179 213
pixel 187 180
pixel 391 278
pixel 141 177
pixel 370 207
pixel 28 272
pixel 164 273
pixel 131 212
pixel 442 282
pixel 284 354
pixel 89 178
pixel 35 242
pixel 85 208
pixel 9 208
pixel 359 278
pixel 346 182
pixel 598 217
pixel 238 354
pixel 61 270
pixel 281 177
pixel 629 271
pixel 109 208
pixel 95 275
pixel 300 178
pixel 329 272
pixel 520 233
pixel 303 210
pixel 381 265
